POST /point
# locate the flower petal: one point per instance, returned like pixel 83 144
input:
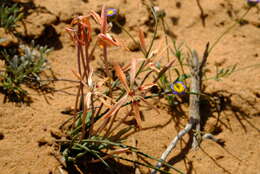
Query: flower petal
pixel 133 72
pixel 103 20
pixel 116 107
pixel 142 41
pixel 111 12
pixel 146 86
pixel 106 39
pixel 95 16
pixel 120 74
pixel 164 69
pixel 86 24
pixel 71 33
pixel 178 87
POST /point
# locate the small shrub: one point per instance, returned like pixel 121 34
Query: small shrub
pixel 23 68
pixel 104 101
pixel 10 13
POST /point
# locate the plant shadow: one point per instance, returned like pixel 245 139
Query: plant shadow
pixel 49 36
pixel 221 102
pixel 213 105
pixel 100 168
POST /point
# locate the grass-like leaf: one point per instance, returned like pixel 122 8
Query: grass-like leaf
pixel 9 15
pixel 23 69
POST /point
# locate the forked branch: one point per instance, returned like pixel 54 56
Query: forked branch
pixel 196 69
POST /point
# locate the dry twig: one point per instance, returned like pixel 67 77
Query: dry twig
pixel 196 69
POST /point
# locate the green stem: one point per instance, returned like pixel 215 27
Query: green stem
pixel 154 34
pixel 166 41
pixel 240 69
pixel 227 30
pixel 128 33
pixel 151 44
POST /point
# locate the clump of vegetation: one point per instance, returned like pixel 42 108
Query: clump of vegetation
pixel 103 105
pixel 23 64
pixel 23 68
pixel 10 13
pixel 104 102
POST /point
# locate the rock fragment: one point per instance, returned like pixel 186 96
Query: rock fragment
pixel 1 136
pixel 45 141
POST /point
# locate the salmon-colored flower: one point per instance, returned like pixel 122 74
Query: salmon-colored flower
pixel 134 92
pixel 82 34
pixel 105 39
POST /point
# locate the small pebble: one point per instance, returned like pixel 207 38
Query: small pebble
pixel 178 4
pixel 1 136
pixel 133 46
pixel 175 20
pixel 44 140
pixel 218 157
pixel 68 111
pixel 56 133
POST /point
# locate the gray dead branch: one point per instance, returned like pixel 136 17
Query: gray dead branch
pixel 196 69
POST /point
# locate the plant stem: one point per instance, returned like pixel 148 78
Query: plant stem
pixel 172 145
pixel 128 33
pixel 166 41
pixel 228 29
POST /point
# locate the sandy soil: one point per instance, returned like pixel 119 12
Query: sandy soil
pixel 23 128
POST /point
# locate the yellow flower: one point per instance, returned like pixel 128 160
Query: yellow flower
pixel 111 11
pixel 178 87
